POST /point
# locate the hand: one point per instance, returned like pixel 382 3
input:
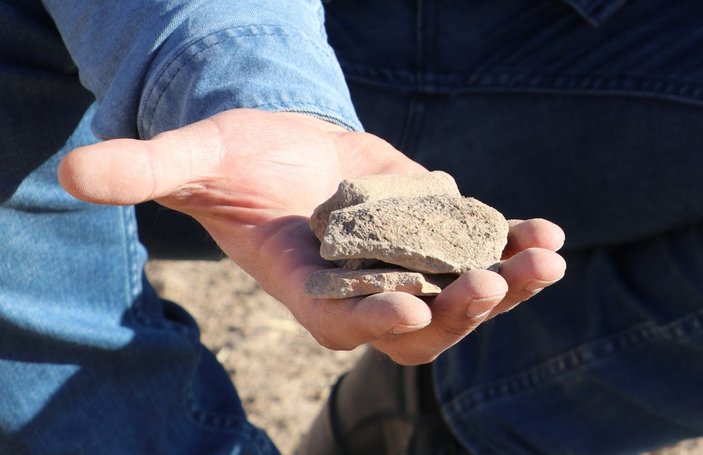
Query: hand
pixel 252 178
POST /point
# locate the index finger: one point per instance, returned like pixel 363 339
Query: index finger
pixel 533 233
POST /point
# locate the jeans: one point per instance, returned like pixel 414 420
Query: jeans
pixel 592 121
pixel 535 111
pixel 91 360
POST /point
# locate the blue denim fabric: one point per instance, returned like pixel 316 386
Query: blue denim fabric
pixel 596 11
pixel 539 112
pixel 582 111
pixel 91 360
pixel 161 64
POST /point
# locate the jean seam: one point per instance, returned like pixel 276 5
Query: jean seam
pixel 212 419
pixel 508 80
pixel 225 422
pixel 578 357
pixel 412 128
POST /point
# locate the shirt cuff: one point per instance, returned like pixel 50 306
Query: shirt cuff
pixel 255 66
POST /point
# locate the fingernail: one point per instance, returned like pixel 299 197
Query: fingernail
pixel 479 308
pixel 407 328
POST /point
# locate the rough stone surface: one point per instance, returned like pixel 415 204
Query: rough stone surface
pixel 431 234
pixel 341 283
pixel 420 223
pixel 378 187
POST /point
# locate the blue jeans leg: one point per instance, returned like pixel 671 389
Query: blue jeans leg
pixel 539 113
pixel 610 360
pixel 91 360
pixel 607 362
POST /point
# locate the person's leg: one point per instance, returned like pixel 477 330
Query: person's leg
pixel 91 360
pixel 609 360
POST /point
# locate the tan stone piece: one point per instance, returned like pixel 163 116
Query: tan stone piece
pixel 431 234
pixel 377 187
pixel 342 283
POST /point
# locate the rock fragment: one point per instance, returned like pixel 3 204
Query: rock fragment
pixel 431 234
pixel 342 283
pixel 409 233
pixel 377 187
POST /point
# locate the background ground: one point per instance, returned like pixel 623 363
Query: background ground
pixel 282 374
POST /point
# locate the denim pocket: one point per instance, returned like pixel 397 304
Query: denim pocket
pixel 596 11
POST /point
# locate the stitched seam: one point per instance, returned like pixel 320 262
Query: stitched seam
pixel 515 79
pixel 305 108
pixel 162 83
pixel 215 420
pixel 221 422
pixel 165 83
pixel 563 364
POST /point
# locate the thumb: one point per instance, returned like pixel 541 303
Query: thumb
pixel 130 171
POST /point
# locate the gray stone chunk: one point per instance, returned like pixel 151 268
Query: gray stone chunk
pixel 378 187
pixel 342 284
pixel 431 234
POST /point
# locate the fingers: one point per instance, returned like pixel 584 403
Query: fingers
pixel 412 332
pixel 533 233
pixel 348 323
pixel 456 312
pixel 527 273
pixel 403 326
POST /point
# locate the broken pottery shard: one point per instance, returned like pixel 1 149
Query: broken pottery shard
pixel 376 187
pixel 431 234
pixel 341 283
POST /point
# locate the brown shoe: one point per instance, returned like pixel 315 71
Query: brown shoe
pixel 381 408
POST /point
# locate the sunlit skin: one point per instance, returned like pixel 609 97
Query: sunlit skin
pixel 253 178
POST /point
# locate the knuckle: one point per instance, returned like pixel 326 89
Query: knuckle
pixel 460 331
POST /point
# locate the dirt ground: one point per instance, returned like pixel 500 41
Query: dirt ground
pixel 283 376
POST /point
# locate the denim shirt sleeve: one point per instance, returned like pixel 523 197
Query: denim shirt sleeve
pixel 160 64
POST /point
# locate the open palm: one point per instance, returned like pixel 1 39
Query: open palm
pixel 252 178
